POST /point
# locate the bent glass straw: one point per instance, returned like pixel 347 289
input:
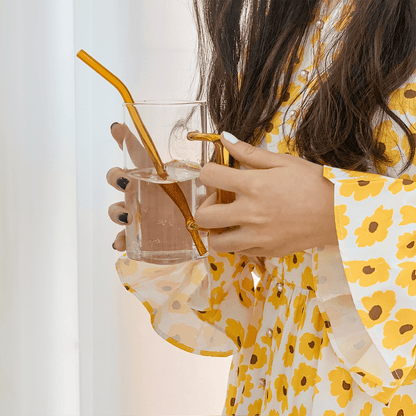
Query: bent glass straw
pixel 172 189
pixel 134 114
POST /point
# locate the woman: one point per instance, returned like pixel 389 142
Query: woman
pixel 322 97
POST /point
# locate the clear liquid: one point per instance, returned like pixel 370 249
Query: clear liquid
pixel 158 233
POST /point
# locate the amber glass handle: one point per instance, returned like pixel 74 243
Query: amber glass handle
pixel 223 158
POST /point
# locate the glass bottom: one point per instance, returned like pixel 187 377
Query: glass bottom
pixel 164 257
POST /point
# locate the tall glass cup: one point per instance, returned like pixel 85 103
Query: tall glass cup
pixel 158 233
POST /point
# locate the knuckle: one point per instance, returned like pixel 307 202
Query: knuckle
pixel 206 172
pixel 268 240
pixel 215 242
pixel 111 174
pixel 256 218
pixel 114 210
pixel 253 187
pixel 249 150
pixel 198 216
pixel 121 235
pixel 111 211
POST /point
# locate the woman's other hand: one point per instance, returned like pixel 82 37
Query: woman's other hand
pixel 283 204
pixel 117 178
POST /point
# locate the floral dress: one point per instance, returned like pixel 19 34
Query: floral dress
pixel 329 331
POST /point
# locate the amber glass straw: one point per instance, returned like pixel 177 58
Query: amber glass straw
pixel 128 99
pixel 172 189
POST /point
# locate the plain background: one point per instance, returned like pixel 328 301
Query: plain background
pixel 73 340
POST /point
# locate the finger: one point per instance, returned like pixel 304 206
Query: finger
pixel 119 214
pixel 246 167
pixel 211 215
pixel 231 241
pixel 210 190
pixel 119 179
pixel 120 241
pixel 252 156
pixel 211 200
pixel 138 154
pixel 256 251
pixel 117 131
pixel 223 177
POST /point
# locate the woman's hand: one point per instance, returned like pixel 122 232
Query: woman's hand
pixel 116 177
pixel 283 204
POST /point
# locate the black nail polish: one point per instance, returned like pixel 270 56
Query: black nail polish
pixel 113 125
pixel 122 183
pixel 123 217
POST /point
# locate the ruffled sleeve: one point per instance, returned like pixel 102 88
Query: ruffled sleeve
pixel 201 306
pixel 367 286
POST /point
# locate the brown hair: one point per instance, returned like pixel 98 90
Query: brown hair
pixel 247 48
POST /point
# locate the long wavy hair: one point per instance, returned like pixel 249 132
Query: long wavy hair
pixel 247 48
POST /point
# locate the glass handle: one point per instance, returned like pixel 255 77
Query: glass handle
pixel 223 158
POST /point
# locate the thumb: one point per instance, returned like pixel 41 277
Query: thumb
pixel 249 155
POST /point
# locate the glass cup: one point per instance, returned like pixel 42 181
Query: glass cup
pixel 159 233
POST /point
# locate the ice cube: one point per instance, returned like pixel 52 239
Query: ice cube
pixel 180 170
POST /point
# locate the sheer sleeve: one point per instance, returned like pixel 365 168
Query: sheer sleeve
pixel 201 306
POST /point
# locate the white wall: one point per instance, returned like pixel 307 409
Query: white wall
pixel 73 340
pixel 154 56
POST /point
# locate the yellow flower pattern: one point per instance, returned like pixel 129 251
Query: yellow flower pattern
pixel 301 411
pixel 407 277
pixel 287 146
pixel 390 141
pixel 330 328
pixel 378 307
pixel 273 127
pixel 375 228
pixel 361 189
pixel 281 387
pixel 369 272
pixel 310 346
pixel 401 405
pixel 366 410
pixel 404 100
pixel 406 150
pixel 408 215
pixel 343 220
pixel 289 353
pixel 341 383
pixel 406 246
pixel 303 378
pixel 403 185
pixel 402 330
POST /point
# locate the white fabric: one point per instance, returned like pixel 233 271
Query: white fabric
pixel 64 346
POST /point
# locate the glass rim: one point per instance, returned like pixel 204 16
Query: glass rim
pixel 165 102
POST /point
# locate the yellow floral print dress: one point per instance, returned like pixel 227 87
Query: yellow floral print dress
pixel 330 331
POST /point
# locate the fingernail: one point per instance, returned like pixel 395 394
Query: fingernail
pixel 114 247
pixel 123 217
pixel 229 137
pixel 113 125
pixel 122 183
